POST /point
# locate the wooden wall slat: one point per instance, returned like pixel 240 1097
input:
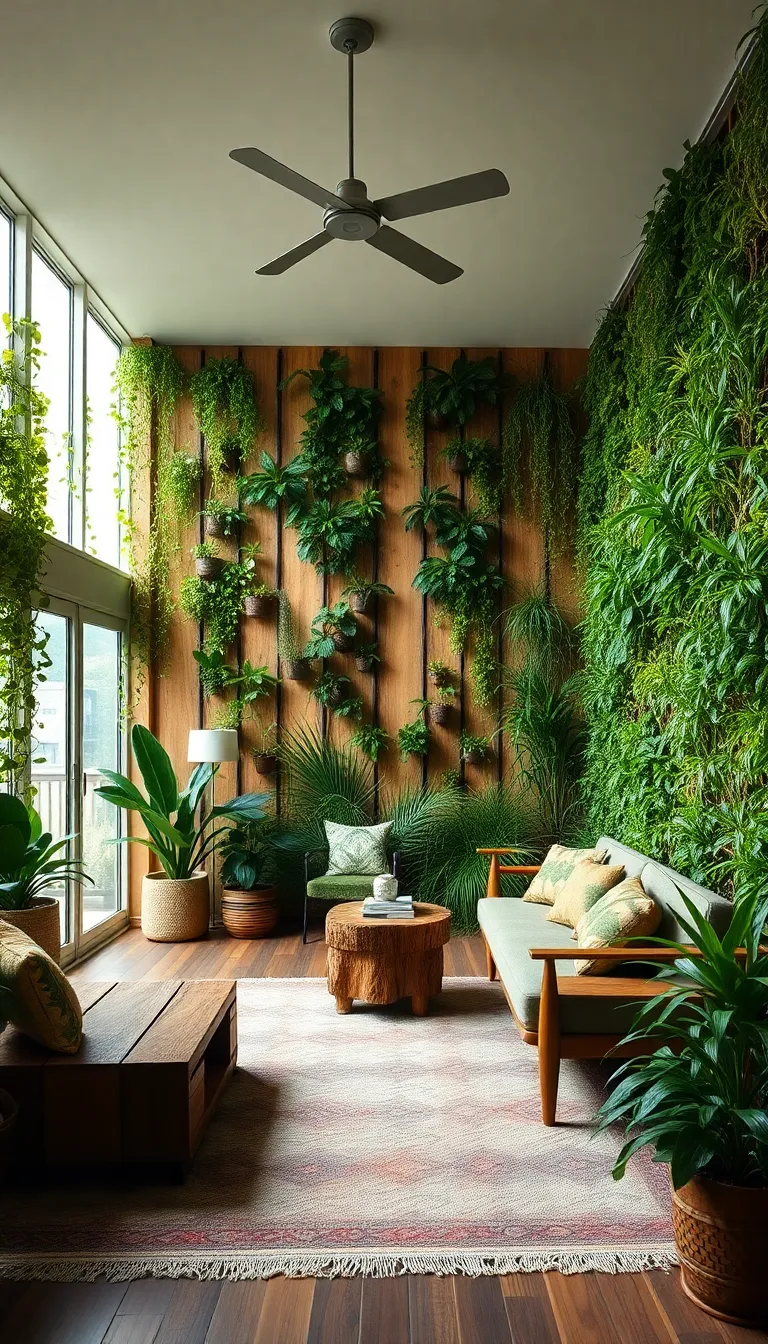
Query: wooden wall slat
pixel 443 752
pixel 481 722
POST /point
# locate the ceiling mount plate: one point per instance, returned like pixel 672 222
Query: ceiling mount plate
pixel 351 35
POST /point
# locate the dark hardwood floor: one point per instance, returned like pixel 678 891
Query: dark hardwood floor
pixel 419 1309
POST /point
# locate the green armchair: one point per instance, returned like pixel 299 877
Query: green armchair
pixel 335 887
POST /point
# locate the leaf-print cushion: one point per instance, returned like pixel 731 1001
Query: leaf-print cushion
pixel 586 885
pixel 43 1003
pixel 555 871
pixel 357 851
pixel 623 913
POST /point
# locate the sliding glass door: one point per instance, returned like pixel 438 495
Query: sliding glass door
pixel 79 732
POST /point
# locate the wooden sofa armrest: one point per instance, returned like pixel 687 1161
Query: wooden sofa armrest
pixel 495 869
pixel 614 953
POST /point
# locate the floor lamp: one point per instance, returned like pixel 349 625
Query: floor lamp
pixel 213 746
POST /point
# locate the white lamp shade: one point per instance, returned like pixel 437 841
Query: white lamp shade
pixel 213 745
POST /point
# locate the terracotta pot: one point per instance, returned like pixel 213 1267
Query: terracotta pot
pixel 265 762
pixel 440 423
pixel 174 910
pixel 365 665
pixel 721 1233
pixel 474 757
pixel 343 643
pixel 260 605
pixel 9 1114
pixel 360 603
pixel 208 567
pixel 441 714
pixel 357 464
pixel 213 527
pixel 459 463
pixel 41 922
pixel 296 669
pixel 250 914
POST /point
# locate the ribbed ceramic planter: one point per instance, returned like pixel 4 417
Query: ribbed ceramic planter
pixel 721 1233
pixel 360 603
pixel 343 643
pixel 365 665
pixel 265 762
pixel 174 910
pixel 250 914
pixel 296 669
pixel 41 922
pixel 208 567
pixel 441 714
pixel 213 527
pixel 357 464
pixel 261 605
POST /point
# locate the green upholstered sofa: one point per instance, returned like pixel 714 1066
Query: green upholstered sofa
pixel 570 1016
pixel 334 887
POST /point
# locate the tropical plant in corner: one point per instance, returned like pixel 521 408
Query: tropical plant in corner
pixel 225 406
pixel 275 486
pixel 31 861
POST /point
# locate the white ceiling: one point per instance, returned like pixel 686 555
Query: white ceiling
pixel 116 118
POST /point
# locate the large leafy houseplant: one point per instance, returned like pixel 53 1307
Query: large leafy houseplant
pixel 449 397
pixel 275 485
pixel 340 418
pixel 330 532
pixel 31 861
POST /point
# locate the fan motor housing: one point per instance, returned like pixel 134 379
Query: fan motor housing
pixel 357 224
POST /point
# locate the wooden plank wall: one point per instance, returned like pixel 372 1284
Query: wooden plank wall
pixel 403 624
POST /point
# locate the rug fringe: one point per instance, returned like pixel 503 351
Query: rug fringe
pixel 334 1264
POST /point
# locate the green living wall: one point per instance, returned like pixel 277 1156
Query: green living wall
pixel 673 521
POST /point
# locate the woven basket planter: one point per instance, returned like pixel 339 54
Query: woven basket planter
pixel 174 910
pixel 265 763
pixel 365 665
pixel 296 669
pixel 474 757
pixel 721 1233
pixel 357 464
pixel 441 714
pixel 360 603
pixel 208 567
pixel 343 643
pixel 459 463
pixel 213 527
pixel 335 696
pixel 41 922
pixel 261 605
pixel 250 914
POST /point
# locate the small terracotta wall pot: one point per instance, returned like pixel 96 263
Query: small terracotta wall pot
pixel 41 922
pixel 721 1233
pixel 213 527
pixel 360 603
pixel 174 910
pixel 9 1114
pixel 357 464
pixel 208 567
pixel 458 463
pixel 365 665
pixel 343 643
pixel 441 714
pixel 250 914
pixel 260 605
pixel 474 757
pixel 296 669
pixel 265 762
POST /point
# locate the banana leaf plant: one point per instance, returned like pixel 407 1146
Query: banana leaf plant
pixel 180 841
pixel 31 862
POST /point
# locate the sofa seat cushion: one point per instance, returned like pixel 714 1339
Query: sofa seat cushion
pixel 340 887
pixel 512 926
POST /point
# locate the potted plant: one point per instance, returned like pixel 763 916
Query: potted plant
pixel 432 506
pixel 32 863
pixel 453 453
pixel 370 739
pixel 208 564
pixel 448 398
pixel 293 660
pixel 265 757
pixel 175 901
pixel 360 593
pixel 333 631
pixel 261 602
pixel 358 456
pixel 439 672
pixel 413 739
pixel 333 692
pixel 330 531
pixel 215 673
pixel 367 657
pixel 700 1102
pixel 473 750
pixel 274 486
pixel 249 905
pixel 441 712
pixel 220 520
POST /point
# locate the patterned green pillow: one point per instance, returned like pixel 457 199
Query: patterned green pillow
pixel 623 913
pixel 357 851
pixel 555 871
pixel 43 1003
pixel 587 883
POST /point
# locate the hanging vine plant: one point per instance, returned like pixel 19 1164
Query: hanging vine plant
pixel 148 384
pixel 23 526
pixel 538 439
pixel 448 398
pixel 342 419
pixel 225 406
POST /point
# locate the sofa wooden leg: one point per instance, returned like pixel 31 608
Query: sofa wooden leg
pixel 489 962
pixel 549 1043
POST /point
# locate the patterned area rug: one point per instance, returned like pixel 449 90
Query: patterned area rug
pixel 374 1143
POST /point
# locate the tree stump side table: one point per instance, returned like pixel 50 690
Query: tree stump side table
pixel 381 960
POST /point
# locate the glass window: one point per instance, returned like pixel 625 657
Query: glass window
pixel 6 264
pixel 51 776
pixel 102 469
pixel 52 311
pixel 101 750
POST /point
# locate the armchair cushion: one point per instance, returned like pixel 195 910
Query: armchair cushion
pixel 340 887
pixel 356 851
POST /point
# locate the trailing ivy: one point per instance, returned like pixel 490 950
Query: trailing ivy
pixel 23 526
pixel 539 442
pixel 224 402
pixel 672 522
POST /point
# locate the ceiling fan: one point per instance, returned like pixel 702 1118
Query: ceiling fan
pixel 349 215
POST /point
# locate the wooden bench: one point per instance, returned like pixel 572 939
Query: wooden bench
pixel 154 1062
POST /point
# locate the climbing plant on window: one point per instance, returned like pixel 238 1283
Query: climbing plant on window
pixel 23 526
pixel 225 406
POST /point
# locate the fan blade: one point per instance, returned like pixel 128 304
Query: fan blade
pixel 410 253
pixel 285 177
pixel 289 259
pixel 444 195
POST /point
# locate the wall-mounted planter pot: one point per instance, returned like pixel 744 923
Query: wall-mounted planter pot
pixel 231 459
pixel 208 567
pixel 440 423
pixel 334 696
pixel 360 603
pixel 249 914
pixel 441 714
pixel 343 643
pixel 459 463
pixel 261 605
pixel 213 527
pixel 365 665
pixel 475 757
pixel 440 679
pixel 296 669
pixel 266 763
pixel 357 465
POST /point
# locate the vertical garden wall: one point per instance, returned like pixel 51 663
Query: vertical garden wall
pixel 673 521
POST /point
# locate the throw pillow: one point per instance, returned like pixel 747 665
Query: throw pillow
pixel 555 871
pixel 623 913
pixel 43 1004
pixel 587 883
pixel 359 851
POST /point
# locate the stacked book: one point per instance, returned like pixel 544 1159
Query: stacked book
pixel 400 908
